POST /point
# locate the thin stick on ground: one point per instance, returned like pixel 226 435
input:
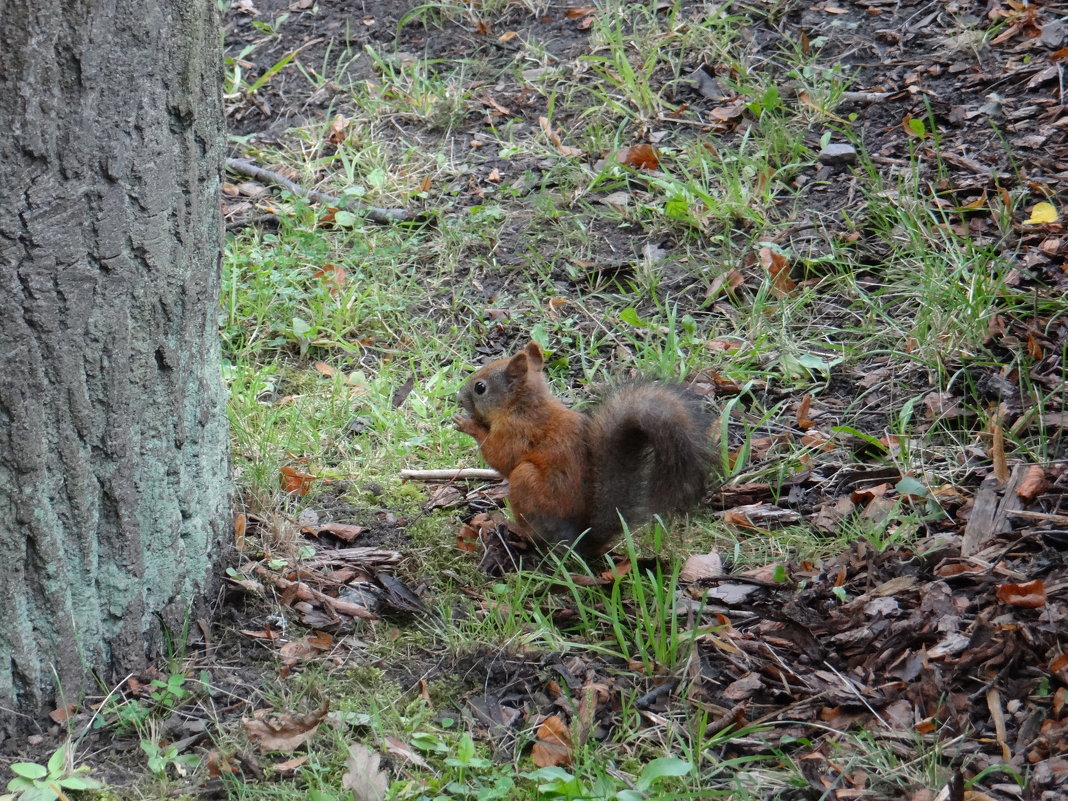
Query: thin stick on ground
pixel 455 474
pixel 372 213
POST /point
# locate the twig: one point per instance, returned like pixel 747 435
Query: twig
pixel 303 592
pixel 452 475
pixel 372 213
pixel 863 97
pixel 260 219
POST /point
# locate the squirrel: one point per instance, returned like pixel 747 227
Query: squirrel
pixel 645 450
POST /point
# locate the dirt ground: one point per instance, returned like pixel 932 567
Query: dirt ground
pixel 909 61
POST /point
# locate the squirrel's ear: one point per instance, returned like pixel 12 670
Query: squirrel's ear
pixel 517 366
pixel 533 351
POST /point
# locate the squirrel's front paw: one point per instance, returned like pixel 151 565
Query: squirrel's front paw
pixel 462 422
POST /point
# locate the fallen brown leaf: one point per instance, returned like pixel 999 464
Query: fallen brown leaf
pixel 640 157
pixel 338 130
pixel 700 566
pixel 287 731
pixel 366 780
pixel 295 481
pixel 997 455
pixel 552 746
pixel 804 422
pixel 343 531
pixel 404 751
pixel 63 713
pixel 1030 595
pixel 332 274
pixel 218 763
pixel 1034 483
pixel 778 267
pixel 289 767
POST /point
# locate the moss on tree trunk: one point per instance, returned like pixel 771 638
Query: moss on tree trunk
pixel 113 440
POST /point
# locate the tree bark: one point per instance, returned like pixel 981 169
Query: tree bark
pixel 114 476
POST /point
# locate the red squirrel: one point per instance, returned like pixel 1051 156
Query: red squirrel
pixel 644 450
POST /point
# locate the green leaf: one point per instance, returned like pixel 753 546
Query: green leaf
pixel 271 72
pixel 918 128
pixel 540 334
pixel 30 770
pixel 301 327
pixel 630 315
pixel 20 784
pixel 57 761
pixel 860 435
pixel 557 780
pixel 911 486
pixel 779 573
pixel 428 742
pixel 319 795
pixel 377 178
pixel 80 783
pixel 677 208
pixel 814 362
pixel 345 219
pixel 659 768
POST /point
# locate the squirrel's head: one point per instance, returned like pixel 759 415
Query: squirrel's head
pixel 504 384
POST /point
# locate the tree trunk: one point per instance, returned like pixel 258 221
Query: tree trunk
pixel 113 439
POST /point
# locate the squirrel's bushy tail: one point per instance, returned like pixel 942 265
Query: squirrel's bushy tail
pixel 651 455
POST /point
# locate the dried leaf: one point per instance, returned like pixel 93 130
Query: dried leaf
pixel 778 267
pixel 404 751
pixel 743 688
pixel 641 157
pixel 366 780
pixel 343 531
pixel 1034 483
pixel 804 422
pixel 700 566
pixel 333 275
pixel 287 731
pixel 1042 213
pixel 552 746
pixel 338 130
pixel 467 538
pixel 1030 595
pixel 554 139
pixel 1058 666
pixel 289 767
pixel 997 455
pixel 63 713
pixel 578 12
pixel 240 526
pixel 727 113
pixel 324 368
pixel 293 480
pixel 218 763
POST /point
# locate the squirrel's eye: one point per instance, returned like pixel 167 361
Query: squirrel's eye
pixel 480 387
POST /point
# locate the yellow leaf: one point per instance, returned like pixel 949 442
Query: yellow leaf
pixel 1042 213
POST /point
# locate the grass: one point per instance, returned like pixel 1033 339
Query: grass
pixel 325 320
